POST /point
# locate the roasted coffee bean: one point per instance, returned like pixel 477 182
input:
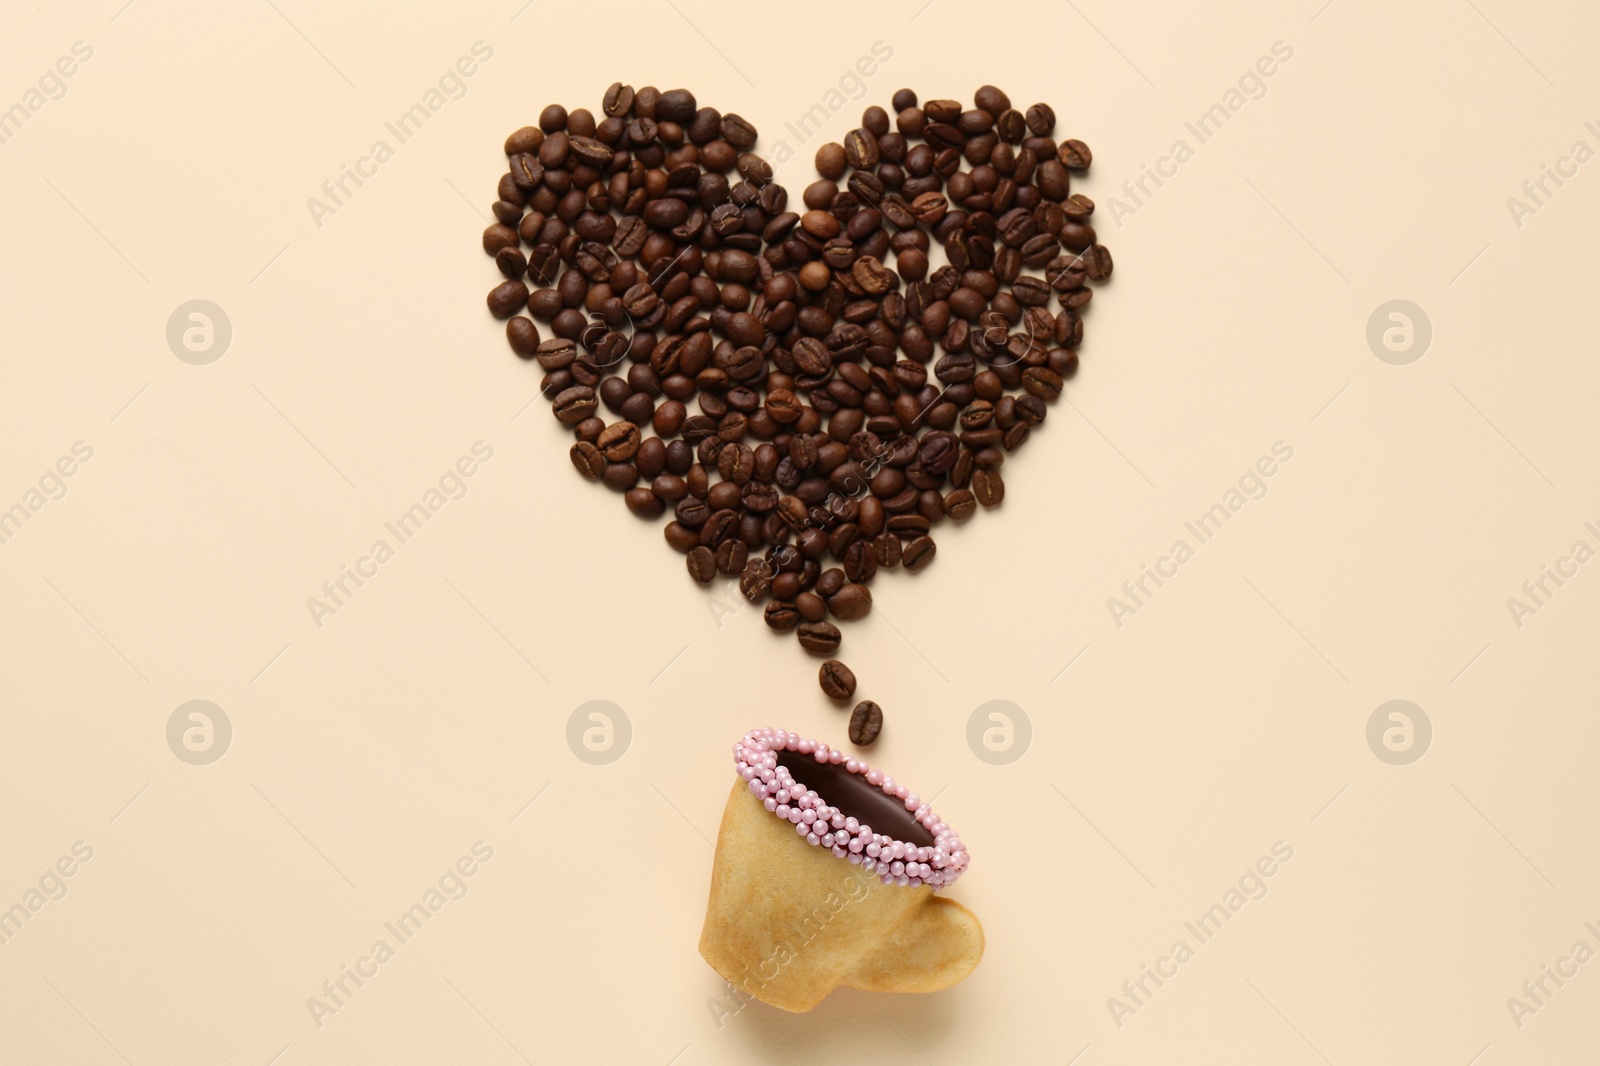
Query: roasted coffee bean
pixel 702 564
pixel 988 487
pixel 591 151
pixel 1075 155
pixel 831 161
pixel 811 606
pixel 588 460
pixel 861 149
pixel 838 681
pixel 819 637
pixel 866 722
pixel 755 580
pixel 675 105
pixel 859 561
pixel 782 615
pixel 507 298
pixel 918 553
pixel 732 557
pixel 556 353
pixel 498 237
pixel 1097 263
pixel 1042 382
pixel 887 548
pixel 851 601
pixel 644 503
pixel 619 441
pixel 618 100
pixel 620 477
pixel 523 336
pixel 526 139
pixel 738 132
pixel 575 404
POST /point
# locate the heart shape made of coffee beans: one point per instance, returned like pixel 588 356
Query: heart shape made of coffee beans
pixel 670 270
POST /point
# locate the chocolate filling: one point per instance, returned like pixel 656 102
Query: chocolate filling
pixel 855 798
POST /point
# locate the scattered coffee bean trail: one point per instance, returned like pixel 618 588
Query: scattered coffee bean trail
pixel 807 412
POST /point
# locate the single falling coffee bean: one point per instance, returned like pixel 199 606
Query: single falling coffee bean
pixel 866 722
pixel 838 681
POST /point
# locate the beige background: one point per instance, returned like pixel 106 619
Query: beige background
pixel 1228 714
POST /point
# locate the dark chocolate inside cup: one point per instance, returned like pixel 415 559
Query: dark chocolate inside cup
pixel 855 798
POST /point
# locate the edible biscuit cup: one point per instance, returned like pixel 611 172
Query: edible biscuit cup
pixel 825 875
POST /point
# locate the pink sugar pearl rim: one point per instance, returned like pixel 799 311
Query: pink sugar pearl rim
pixel 896 862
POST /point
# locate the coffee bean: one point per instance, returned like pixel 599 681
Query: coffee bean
pixel 702 564
pixel 918 554
pixel 1097 263
pixel 819 637
pixel 782 615
pixel 523 336
pixel 851 601
pixel 1041 119
pixel 866 722
pixel 675 105
pixel 498 237
pixel 507 298
pixel 526 139
pixel 732 557
pixel 680 538
pixel 887 547
pixel 575 404
pixel 644 503
pixel 987 486
pixel 755 580
pixel 588 460
pixel 1075 236
pixel 620 477
pixel 1075 155
pixel 811 607
pixel 861 149
pixel 591 151
pixel 831 161
pixel 1042 382
pixel 618 100
pixel 838 681
pixel 618 441
pixel 738 132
